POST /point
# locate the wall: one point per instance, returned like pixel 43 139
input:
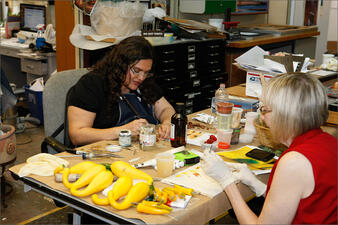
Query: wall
pixel 278 12
pixel 332 32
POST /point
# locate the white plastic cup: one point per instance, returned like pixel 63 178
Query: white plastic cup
pixel 326 58
pixel 224 135
pixel 164 164
pixel 236 117
pixel 249 127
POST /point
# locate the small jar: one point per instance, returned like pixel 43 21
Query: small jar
pixel 147 136
pixel 125 138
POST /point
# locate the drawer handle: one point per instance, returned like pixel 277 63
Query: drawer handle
pixel 29 67
pixel 214 54
pixel 215 71
pixel 169 79
pixel 191 57
pixel 214 46
pixel 196 83
pixel 191 65
pixel 168 70
pixel 169 52
pixel 193 74
pixel 173 88
pixel 191 48
pixel 213 62
pixel 168 61
pixel 189 103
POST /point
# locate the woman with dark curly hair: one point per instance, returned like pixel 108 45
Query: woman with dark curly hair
pixel 117 94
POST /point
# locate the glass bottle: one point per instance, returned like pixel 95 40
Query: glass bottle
pixel 178 130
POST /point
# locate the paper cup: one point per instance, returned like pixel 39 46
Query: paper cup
pixel 165 164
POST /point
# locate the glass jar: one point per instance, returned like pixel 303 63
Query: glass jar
pixel 125 138
pixel 147 136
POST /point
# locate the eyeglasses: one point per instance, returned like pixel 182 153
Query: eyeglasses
pixel 263 110
pixel 141 73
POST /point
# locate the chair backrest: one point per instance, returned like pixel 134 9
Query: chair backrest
pixel 54 100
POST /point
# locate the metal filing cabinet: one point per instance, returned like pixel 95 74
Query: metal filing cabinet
pixel 190 71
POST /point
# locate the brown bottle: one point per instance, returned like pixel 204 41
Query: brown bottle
pixel 178 126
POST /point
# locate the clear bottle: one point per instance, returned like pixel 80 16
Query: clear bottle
pixel 221 95
pixel 178 130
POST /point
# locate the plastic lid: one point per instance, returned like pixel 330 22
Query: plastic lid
pixel 223 145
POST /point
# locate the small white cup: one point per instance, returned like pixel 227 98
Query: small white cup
pixel 326 58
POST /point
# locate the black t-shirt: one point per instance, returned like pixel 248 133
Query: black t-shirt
pixel 88 94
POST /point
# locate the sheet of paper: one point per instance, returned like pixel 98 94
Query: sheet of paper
pixel 323 73
pixel 254 57
pixel 197 137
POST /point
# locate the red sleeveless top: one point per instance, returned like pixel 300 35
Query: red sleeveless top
pixel 320 149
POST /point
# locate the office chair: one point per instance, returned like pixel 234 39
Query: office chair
pixel 54 108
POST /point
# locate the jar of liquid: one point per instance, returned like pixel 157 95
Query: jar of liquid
pixel 147 136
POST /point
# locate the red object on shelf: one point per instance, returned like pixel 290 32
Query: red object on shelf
pixel 230 24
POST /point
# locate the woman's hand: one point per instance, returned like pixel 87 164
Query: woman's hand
pixel 135 126
pixel 164 130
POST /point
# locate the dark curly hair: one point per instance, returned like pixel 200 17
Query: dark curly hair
pixel 115 64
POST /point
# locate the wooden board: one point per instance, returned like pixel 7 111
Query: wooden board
pixel 278 29
pixel 191 24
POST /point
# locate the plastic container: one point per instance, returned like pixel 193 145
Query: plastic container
pixel 35 103
pixel 224 121
pixel 224 135
pixel 249 124
pixel 221 95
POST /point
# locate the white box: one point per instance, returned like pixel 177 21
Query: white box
pixel 253 83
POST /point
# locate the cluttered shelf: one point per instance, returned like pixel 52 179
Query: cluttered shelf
pixel 262 40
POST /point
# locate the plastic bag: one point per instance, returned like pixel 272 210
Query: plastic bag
pixel 117 18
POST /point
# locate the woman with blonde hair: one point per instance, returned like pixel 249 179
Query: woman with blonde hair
pixel 302 187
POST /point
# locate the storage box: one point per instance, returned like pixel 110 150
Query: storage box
pixel 245 103
pixel 34 100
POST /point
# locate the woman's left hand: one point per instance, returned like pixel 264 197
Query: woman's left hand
pixel 164 130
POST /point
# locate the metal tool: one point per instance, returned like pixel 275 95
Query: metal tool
pixel 92 155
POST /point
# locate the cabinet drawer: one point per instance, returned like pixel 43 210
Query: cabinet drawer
pixel 8 52
pixel 34 66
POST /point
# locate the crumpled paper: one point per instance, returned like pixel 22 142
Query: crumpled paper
pixel 79 40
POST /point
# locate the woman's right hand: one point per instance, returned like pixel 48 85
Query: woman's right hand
pixel 135 126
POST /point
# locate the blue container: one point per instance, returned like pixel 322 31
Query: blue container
pixel 34 99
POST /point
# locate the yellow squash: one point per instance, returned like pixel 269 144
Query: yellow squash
pixel 85 179
pixel 151 209
pixel 120 169
pixel 102 180
pixel 120 188
pixel 138 192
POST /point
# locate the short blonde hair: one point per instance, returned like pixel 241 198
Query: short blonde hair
pixel 298 102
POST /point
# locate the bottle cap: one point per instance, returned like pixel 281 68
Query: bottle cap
pixel 180 106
